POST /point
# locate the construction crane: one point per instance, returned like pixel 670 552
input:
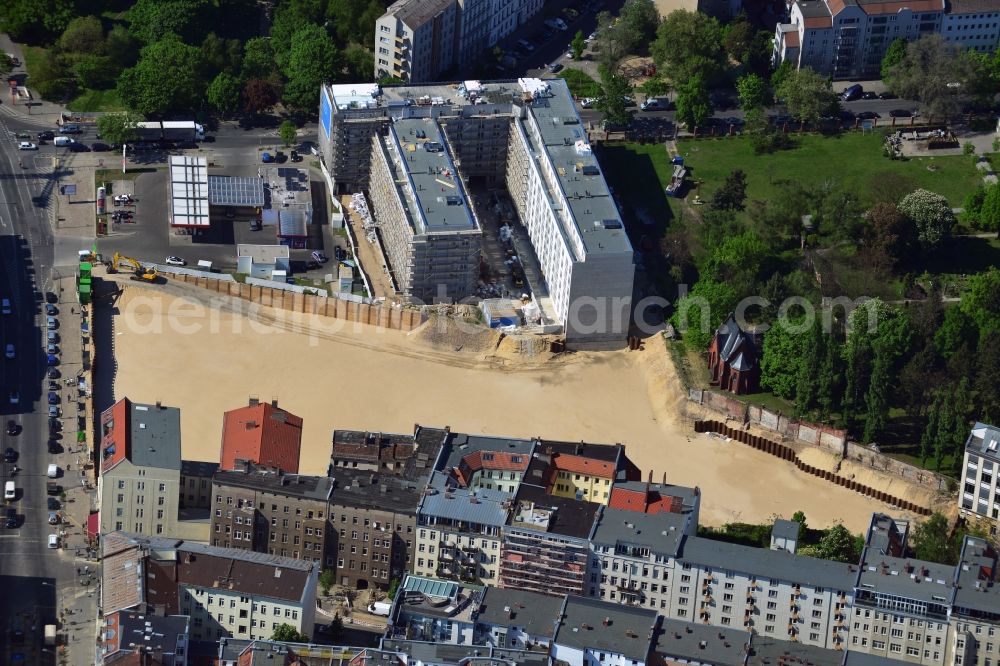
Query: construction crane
pixel 142 273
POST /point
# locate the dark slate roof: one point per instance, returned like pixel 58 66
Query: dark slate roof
pixel 606 627
pixel 701 643
pixel 478 655
pixel 568 516
pixel 766 563
pixel 533 612
pixel 736 346
pixel 370 490
pixel 785 529
pixel 984 440
pixel 662 533
pixel 978 589
pixel 199 468
pixel 276 482
pixel 155 436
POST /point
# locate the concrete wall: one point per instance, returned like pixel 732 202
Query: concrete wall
pixel 384 316
pixel 831 440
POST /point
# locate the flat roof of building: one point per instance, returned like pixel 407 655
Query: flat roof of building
pixel 199 468
pixel 766 563
pixel 155 436
pixel 236 191
pixel 537 510
pixel 354 94
pixel 188 191
pixel 533 612
pixel 468 655
pixel 765 651
pixel 262 254
pixel 661 533
pixel 606 627
pixel 415 13
pixel 593 210
pixel 984 440
pixel 130 631
pixel 701 644
pixel 785 529
pixel 436 199
pixel 978 590
pixel 481 507
pixel 929 582
pixel 379 491
pixel 277 482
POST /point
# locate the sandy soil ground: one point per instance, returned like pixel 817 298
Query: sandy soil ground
pixel 170 349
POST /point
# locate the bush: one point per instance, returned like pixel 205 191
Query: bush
pixel 968 148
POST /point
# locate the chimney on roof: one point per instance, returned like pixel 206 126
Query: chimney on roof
pixel 159 404
pixel 254 401
pixel 250 425
pixel 579 448
pixel 274 402
pixel 664 478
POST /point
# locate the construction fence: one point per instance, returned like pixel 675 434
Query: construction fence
pixel 787 453
pixel 382 315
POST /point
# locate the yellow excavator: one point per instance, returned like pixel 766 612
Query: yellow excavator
pixel 142 273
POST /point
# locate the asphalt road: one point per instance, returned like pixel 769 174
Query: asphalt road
pixel 29 571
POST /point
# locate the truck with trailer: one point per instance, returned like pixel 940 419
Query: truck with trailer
pixel 154 131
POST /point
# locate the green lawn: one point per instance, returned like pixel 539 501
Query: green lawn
pixel 97 100
pixel 580 83
pixel 853 160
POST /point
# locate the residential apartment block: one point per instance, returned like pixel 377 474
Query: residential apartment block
pixel 226 592
pixel 269 511
pixel 588 632
pixel 371 451
pixel 459 532
pixel 972 24
pixel 979 497
pixel 419 40
pixel 847 39
pixel 546 543
pixel 524 136
pixel 131 637
pixel 429 230
pixel 263 434
pixel 140 459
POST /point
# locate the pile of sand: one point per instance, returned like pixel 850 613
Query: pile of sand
pixel 365 378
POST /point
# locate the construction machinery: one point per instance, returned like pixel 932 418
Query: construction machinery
pixel 141 273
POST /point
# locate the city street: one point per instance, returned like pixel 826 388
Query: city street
pixel 39 583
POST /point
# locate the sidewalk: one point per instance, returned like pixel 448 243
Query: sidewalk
pixel 37 111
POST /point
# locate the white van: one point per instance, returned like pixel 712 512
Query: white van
pixel 53 541
pixel 53 471
pixel 9 491
pixel 62 141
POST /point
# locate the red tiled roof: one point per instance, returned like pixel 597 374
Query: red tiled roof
pixel 791 39
pixel 818 22
pixel 263 434
pixel 496 460
pixel 579 465
pixel 915 6
pixel 114 434
pixel 644 502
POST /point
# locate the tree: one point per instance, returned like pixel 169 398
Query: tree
pixel 359 62
pixel 119 128
pixel 783 358
pixel 258 59
pixel 151 20
pixel 781 73
pixel 167 79
pixel 637 22
pixel 807 94
pixel 224 94
pixel 739 39
pixel 839 545
pixel 800 518
pixel 655 86
pixel 981 300
pixel 957 328
pixel 83 35
pixel 288 132
pixel 35 20
pixel 95 71
pixel 931 71
pixel 733 193
pixel 121 47
pixel 578 44
pixel 693 102
pixel 259 96
pixel 312 61
pixel 985 384
pixel 286 633
pixel 989 211
pixel 393 588
pixel 689 43
pixel 737 259
pixel 221 55
pixel 697 313
pixel 890 235
pixel 289 18
pixel 6 64
pixel 326 580
pixel 931 541
pixel 893 56
pixel 931 214
pixel 611 102
pixel 753 91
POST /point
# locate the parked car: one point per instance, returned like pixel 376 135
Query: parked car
pixel 900 113
pixel 526 45
pixel 9 350
pixel 587 102
pixel 9 455
pixel 852 93
pixel 869 95
pixel 175 261
pixel 50 297
pixel 319 256
pixel 99 147
pixel 51 323
pixel 54 447
pixel 70 129
pixel 53 398
pixel 14 397
pixel 11 520
pixel 868 115
pixel 54 411
pixel 46 135
pixel 53 541
pixel 887 95
pixel 13 427
pixel 555 67
pixel 51 310
pixel 51 359
pixel 53 373
pixel 280 157
pixel 27 145
pixel 52 504
pixel 54 518
pixel 295 156
pixel 656 104
pixel 5 306
pixel 266 158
